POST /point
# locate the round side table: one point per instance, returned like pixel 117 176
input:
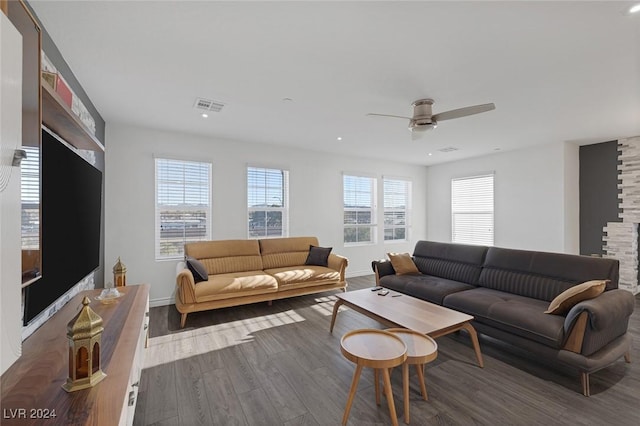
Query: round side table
pixel 375 349
pixel 421 350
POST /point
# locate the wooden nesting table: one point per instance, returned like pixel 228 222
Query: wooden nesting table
pixel 400 310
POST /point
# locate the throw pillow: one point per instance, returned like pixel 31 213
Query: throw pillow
pixel 572 296
pixel 197 269
pixel 318 256
pixel 403 263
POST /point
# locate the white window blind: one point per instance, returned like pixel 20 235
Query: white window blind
pixel 183 205
pixel 267 202
pixel 472 210
pixel 397 211
pixel 30 198
pixel 359 209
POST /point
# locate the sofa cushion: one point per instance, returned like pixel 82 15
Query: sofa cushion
pixel 303 276
pixel 425 287
pixel 572 296
pixel 284 252
pixel 519 315
pixel 225 256
pixel 318 256
pixel 458 262
pixel 235 284
pixel 197 269
pixel 542 275
pixel 402 263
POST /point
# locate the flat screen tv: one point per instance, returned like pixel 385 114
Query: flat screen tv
pixel 71 210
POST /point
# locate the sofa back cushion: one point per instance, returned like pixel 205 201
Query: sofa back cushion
pixel 224 256
pixel 543 275
pixel 283 252
pixel 458 262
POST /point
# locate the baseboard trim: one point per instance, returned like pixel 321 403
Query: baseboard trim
pixel 163 301
pixel 353 274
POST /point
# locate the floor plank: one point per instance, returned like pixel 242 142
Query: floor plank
pixel 224 404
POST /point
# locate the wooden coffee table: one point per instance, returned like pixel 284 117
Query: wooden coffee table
pixel 400 310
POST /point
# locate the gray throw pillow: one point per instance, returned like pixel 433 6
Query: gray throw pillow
pixel 318 256
pixel 197 269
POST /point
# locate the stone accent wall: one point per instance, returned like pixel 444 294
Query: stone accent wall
pixel 621 238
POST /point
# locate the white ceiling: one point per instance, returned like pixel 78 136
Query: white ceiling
pixel 557 71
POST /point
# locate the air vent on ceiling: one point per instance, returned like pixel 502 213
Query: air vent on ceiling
pixel 208 105
pixel 448 149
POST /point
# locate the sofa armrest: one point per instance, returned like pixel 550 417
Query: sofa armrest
pixel 338 263
pixel 186 290
pixel 593 323
pixel 381 268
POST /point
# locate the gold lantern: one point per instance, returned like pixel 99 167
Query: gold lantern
pixel 119 274
pixel 84 332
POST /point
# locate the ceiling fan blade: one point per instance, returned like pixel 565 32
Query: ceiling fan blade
pixel 371 114
pixel 463 112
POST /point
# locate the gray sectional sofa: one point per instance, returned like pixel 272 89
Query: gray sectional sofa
pixel 507 291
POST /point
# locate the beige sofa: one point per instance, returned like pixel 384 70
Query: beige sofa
pixel 249 271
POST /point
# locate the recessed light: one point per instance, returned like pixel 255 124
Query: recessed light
pixel 634 9
pixel 205 115
pixel 430 154
pixel 339 138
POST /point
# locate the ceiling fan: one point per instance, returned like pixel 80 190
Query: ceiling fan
pixel 423 119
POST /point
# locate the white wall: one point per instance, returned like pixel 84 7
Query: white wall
pixel 536 197
pixel 10 244
pixel 315 197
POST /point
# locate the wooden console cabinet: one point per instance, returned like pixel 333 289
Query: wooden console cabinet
pixel 32 391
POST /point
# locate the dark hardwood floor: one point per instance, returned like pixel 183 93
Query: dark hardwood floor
pixel 279 365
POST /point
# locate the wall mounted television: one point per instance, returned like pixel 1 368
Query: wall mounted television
pixel 71 213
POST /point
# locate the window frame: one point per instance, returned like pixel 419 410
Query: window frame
pixel 476 238
pixel 371 209
pixel 183 207
pixel 406 210
pixel 284 209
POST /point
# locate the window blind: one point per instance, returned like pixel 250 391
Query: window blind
pixel 30 198
pixel 183 205
pixel 267 202
pixel 472 210
pixel 397 195
pixel 359 209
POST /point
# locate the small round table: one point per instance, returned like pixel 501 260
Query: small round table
pixel 377 349
pixel 421 350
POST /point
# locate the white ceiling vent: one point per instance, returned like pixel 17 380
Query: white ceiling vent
pixel 208 105
pixel 448 149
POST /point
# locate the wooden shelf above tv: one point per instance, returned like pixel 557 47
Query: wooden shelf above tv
pixel 58 117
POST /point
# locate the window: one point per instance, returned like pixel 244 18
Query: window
pixel 30 198
pixel 397 210
pixel 359 209
pixel 268 202
pixel 183 205
pixel 472 210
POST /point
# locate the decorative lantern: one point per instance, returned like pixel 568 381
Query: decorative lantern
pixel 119 274
pixel 84 332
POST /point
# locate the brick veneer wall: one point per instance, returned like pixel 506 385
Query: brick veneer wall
pixel 621 238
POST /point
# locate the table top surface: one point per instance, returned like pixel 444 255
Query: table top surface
pixel 405 311
pixel 419 346
pixel 373 345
